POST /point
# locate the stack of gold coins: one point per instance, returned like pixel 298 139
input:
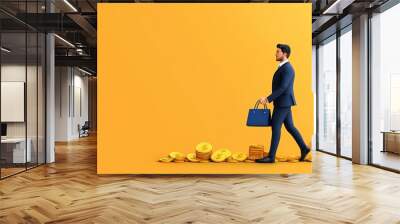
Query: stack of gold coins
pixel 256 152
pixel 203 151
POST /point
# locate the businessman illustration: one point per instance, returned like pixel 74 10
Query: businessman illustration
pixel 283 98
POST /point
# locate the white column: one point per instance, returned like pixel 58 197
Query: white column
pixel 360 90
pixel 50 92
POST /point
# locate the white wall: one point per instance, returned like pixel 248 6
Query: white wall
pixel 81 84
pixel 71 102
pixel 16 72
pixel 33 127
pixel 61 103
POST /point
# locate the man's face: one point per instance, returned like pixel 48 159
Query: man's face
pixel 279 56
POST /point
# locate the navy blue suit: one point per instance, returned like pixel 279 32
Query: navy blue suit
pixel 283 98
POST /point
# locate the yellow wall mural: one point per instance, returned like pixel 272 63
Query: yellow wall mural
pixel 173 75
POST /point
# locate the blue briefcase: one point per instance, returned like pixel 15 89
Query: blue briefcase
pixel 259 117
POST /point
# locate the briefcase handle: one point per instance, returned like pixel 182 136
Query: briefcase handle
pixel 258 103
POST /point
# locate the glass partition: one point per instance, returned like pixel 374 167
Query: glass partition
pixel 14 153
pixel 22 77
pixel 327 95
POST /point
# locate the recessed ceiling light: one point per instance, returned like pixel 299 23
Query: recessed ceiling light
pixel 70 5
pixel 84 71
pixel 337 7
pixel 64 40
pixel 5 50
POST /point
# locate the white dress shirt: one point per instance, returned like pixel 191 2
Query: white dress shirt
pixel 283 62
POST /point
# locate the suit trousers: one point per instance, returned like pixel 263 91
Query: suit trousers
pixel 279 116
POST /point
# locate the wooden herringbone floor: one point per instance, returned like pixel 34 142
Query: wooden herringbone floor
pixel 69 191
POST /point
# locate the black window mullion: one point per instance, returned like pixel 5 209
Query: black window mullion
pixel 338 81
pixel 369 89
pixel 317 95
pixel 37 90
pixel 26 87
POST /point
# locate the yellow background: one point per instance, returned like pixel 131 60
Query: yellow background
pixel 173 75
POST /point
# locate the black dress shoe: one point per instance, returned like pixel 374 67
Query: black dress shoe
pixel 304 154
pixel 265 160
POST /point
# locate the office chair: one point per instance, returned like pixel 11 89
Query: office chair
pixel 84 130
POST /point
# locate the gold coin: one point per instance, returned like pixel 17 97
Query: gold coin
pixel 218 158
pixel 249 161
pixel 257 146
pixel 192 157
pixel 175 155
pixel 293 161
pixel 239 156
pixel 231 160
pixel 165 159
pixel 180 158
pixel 225 152
pixel 291 157
pixel 281 158
pixel 203 147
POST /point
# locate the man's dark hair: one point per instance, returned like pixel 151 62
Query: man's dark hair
pixel 284 48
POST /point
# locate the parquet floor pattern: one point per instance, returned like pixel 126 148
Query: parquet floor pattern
pixel 70 191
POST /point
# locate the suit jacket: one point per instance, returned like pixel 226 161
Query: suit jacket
pixel 282 87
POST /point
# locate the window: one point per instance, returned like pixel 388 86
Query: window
pixel 385 89
pixel 327 95
pixel 346 92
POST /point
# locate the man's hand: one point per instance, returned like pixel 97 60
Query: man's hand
pixel 263 100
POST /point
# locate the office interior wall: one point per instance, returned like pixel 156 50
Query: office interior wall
pixel 71 102
pixel 16 72
pixel 61 103
pixel 81 82
pixel 13 98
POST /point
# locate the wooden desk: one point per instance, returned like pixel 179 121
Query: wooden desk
pixel 391 141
